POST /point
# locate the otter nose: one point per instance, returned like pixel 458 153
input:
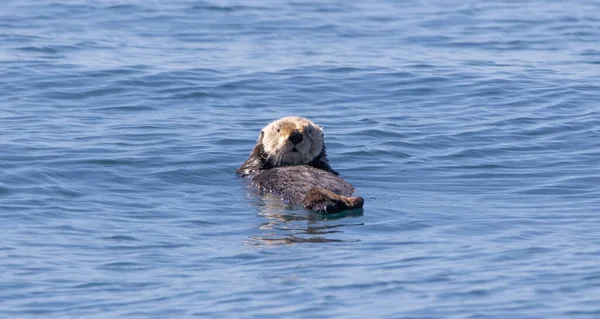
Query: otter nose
pixel 295 137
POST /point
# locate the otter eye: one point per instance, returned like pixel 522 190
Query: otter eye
pixel 278 130
pixel 310 130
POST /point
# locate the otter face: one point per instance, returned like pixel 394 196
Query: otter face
pixel 292 141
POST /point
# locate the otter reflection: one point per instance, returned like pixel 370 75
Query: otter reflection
pixel 289 224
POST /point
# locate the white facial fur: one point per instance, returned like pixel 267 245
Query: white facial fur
pixel 276 143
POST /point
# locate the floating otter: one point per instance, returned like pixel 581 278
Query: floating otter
pixel 289 159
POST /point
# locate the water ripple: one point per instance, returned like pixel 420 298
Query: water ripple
pixel 470 128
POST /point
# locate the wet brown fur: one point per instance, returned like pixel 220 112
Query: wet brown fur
pixel 305 178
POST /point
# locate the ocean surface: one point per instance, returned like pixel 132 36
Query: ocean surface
pixel 471 128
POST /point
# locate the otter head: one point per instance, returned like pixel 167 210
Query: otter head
pixel 292 141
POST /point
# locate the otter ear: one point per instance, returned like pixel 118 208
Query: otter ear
pixel 259 142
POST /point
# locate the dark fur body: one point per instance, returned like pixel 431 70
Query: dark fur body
pixel 314 188
pixel 289 159
pixel 294 182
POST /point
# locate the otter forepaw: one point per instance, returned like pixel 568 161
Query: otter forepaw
pixel 326 201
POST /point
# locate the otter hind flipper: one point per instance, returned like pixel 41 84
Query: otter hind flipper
pixel 326 201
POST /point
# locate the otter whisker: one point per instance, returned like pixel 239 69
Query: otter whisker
pixel 279 158
pixel 273 158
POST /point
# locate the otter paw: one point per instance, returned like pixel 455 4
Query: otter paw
pixel 326 201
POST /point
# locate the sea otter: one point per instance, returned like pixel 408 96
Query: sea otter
pixel 289 159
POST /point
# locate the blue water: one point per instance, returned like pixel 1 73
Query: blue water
pixel 471 128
